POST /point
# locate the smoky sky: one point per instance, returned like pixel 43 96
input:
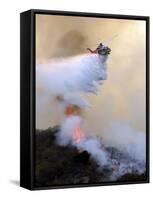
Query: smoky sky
pixel 122 96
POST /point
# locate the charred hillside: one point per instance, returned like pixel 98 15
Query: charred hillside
pixel 58 165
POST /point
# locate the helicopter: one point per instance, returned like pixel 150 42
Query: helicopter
pixel 101 50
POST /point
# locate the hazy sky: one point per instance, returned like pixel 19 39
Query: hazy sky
pixel 122 96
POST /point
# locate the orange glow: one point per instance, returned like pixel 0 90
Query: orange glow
pixel 75 110
pixel 70 110
pixel 78 134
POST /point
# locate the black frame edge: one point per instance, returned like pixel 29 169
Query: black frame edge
pixel 86 14
pixel 148 99
pixel 25 107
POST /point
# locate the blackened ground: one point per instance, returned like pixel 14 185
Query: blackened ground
pixel 57 165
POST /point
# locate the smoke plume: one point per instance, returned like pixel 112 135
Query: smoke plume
pixel 116 115
pixel 68 79
pixel 130 152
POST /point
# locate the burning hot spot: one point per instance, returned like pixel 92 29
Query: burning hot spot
pixel 74 110
pixel 78 134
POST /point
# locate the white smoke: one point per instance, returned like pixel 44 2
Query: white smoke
pixel 127 144
pixel 95 148
pixel 65 136
pixel 126 139
pixel 90 144
pixel 74 74
pixel 69 78
pixel 132 145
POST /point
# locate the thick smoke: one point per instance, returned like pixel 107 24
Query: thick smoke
pixel 90 144
pixel 130 141
pixel 128 145
pixel 130 151
pixel 67 78
pixel 117 113
pixel 123 94
pixel 76 74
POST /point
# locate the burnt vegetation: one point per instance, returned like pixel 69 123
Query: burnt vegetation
pixel 57 165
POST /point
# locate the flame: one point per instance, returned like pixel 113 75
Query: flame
pixel 72 110
pixel 78 134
